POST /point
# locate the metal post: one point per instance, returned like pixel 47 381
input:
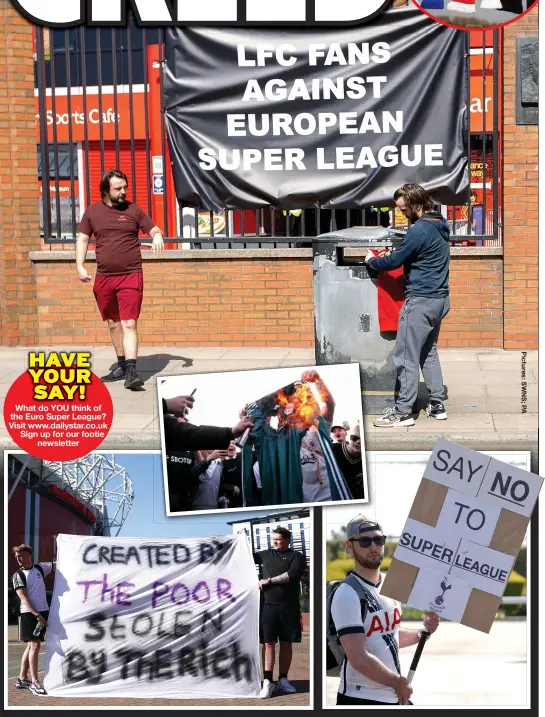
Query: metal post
pixel 44 145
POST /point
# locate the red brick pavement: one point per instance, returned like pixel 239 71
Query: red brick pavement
pixel 299 676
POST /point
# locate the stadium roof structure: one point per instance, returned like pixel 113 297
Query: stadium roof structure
pixel 96 480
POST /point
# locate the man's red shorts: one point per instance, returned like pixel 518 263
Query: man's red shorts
pixel 119 297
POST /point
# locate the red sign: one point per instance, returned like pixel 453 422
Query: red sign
pixel 69 498
pixel 481 85
pixel 87 115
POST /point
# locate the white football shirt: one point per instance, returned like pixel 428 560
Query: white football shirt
pixel 380 627
pixel 35 586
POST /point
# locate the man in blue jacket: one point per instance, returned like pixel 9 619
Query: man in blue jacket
pixel 425 257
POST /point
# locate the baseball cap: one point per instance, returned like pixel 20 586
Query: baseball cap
pixel 334 427
pixel 360 524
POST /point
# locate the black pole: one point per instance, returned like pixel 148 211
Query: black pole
pixel 424 637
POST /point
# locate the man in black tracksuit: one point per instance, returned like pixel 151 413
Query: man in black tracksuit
pixel 425 256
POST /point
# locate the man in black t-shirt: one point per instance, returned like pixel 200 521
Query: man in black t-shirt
pixel 349 460
pixel 280 618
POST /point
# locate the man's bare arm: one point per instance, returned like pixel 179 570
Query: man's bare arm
pixel 157 245
pixel 25 600
pixel 361 660
pixel 329 406
pixel 408 637
pixel 82 244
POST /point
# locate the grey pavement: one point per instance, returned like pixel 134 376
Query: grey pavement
pixel 484 389
pixel 464 667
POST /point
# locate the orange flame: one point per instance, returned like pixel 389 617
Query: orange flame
pixel 300 410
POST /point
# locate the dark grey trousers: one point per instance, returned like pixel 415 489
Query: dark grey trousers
pixel 416 348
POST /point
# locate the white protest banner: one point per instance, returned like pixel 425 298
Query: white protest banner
pixel 456 467
pixel 510 487
pixel 153 618
pixel 483 568
pixel 466 527
pixel 440 593
pixel 426 547
pixel 470 517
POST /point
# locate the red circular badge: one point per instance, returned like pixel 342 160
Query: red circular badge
pixel 58 428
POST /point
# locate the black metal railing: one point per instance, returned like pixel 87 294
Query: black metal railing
pixel 99 99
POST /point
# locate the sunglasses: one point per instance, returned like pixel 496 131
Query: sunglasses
pixel 355 438
pixel 366 542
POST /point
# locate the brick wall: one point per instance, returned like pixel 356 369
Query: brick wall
pixel 263 301
pixel 19 186
pixel 260 302
pixel 476 315
pixel 520 204
pixel 244 301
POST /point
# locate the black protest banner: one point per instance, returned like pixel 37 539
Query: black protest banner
pixel 291 117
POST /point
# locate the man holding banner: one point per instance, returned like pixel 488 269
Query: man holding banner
pixel 368 625
pixel 280 619
pixel 28 583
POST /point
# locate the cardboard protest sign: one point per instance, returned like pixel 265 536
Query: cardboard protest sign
pixel 153 618
pixel 462 536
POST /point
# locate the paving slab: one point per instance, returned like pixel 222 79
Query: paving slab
pixel 299 675
pixel 305 354
pixel 250 353
pixel 213 366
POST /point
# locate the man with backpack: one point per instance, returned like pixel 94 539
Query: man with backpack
pixel 364 632
pixel 425 257
pixel 28 583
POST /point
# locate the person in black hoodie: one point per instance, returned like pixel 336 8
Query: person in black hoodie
pixel 183 471
pixel 425 257
pixel 184 436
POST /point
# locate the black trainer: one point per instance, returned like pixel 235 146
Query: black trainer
pixel 132 379
pixel 436 409
pixel 117 374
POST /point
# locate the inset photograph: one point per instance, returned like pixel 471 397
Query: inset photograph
pixel 475 14
pixel 111 603
pixel 273 437
pixel 371 647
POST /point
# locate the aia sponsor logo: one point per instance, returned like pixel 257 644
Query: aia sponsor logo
pixel 384 623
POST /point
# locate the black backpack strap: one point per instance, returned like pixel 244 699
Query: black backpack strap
pixel 40 570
